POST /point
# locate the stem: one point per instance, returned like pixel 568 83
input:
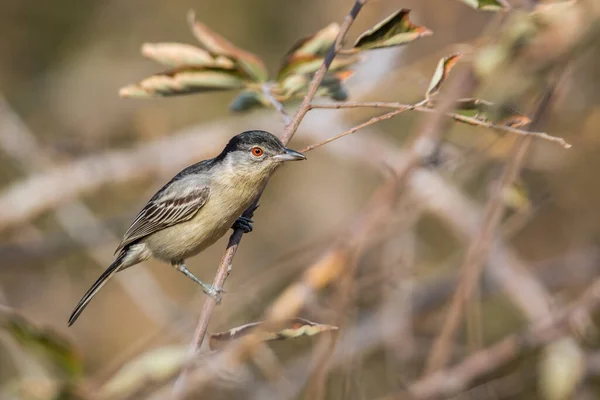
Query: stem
pixel 458 117
pixel 236 237
pixel 478 250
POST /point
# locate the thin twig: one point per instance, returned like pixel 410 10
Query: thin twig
pixel 236 237
pixel 266 89
pixel 79 222
pixel 478 249
pixel 372 121
pixel 448 382
pixel 458 117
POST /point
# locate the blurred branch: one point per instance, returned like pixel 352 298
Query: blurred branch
pixel 479 247
pixel 336 260
pixel 266 89
pixel 452 381
pixel 290 129
pixel 422 108
pixel 78 221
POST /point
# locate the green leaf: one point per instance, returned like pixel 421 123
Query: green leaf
pixel 307 55
pixel 247 100
pixel 395 30
pixel 442 71
pixel 311 46
pixel 332 86
pixel 310 65
pixel 44 343
pixel 219 46
pixel 292 328
pixel 481 110
pixel 185 80
pixel 487 5
pixel 516 196
pixel 294 84
pixel 153 366
pixel 179 55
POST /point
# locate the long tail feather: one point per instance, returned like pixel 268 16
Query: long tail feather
pixel 87 297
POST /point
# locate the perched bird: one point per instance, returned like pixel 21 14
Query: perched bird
pixel 197 207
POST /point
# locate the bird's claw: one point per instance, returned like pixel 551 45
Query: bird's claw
pixel 243 223
pixel 213 292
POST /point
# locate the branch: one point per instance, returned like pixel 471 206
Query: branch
pixel 458 117
pixel 236 237
pixel 356 128
pixel 79 222
pixel 448 382
pixel 266 89
pixel 479 247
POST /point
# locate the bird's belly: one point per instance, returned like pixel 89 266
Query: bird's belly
pixel 189 238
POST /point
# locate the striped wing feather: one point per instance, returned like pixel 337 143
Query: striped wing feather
pixel 161 214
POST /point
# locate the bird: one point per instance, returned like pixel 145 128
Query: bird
pixel 197 207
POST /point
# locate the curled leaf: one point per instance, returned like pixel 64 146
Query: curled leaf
pixel 481 110
pixel 310 47
pixel 307 55
pixel 219 46
pixel 247 100
pixel 561 369
pixel 45 344
pixel 178 54
pixel 184 80
pixel 294 84
pixel 292 328
pixel 310 64
pixel 442 71
pixel 155 365
pixel 516 196
pixel 395 30
pixel 488 5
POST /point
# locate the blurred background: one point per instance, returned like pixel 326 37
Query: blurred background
pixel 63 127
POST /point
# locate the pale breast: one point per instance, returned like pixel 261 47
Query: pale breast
pixel 213 220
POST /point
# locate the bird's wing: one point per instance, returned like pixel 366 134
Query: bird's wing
pixel 163 212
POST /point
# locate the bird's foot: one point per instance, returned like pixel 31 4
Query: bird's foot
pixel 243 223
pixel 212 291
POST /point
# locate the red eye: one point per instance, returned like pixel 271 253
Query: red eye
pixel 257 151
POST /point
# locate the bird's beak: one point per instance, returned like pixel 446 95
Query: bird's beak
pixel 289 155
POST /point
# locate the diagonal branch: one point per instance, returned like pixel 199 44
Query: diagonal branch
pixel 290 129
pixel 456 116
pixel 479 248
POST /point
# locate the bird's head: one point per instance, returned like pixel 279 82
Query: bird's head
pixel 257 152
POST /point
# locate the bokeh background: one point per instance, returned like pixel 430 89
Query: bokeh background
pixel 61 66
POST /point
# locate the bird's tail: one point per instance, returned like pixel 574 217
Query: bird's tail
pixel 87 297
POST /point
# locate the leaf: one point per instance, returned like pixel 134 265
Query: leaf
pixel 184 80
pixel 562 367
pixel 331 86
pixel 292 328
pixel 441 73
pixel 219 46
pixel 153 366
pixel 485 111
pixel 44 343
pixel 307 55
pixel 310 65
pixel 294 84
pixel 516 196
pixel 247 100
pixel 395 30
pixel 310 47
pixel 178 55
pixel 488 5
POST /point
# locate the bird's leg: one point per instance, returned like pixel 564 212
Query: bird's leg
pixel 210 290
pixel 243 223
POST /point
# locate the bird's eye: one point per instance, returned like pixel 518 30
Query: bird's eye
pixel 257 151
